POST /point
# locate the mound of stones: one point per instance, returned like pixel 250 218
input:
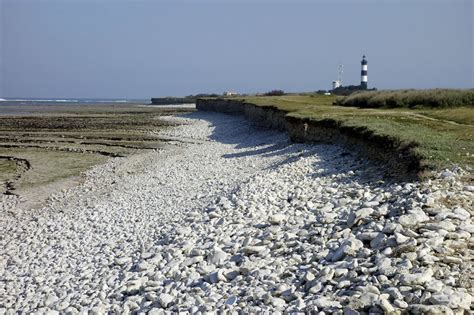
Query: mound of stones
pixel 288 240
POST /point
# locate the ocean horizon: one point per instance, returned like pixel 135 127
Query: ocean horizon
pixel 43 101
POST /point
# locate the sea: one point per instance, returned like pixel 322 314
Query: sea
pixel 33 106
pixel 53 101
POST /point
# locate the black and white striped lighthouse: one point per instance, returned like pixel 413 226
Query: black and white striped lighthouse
pixel 363 73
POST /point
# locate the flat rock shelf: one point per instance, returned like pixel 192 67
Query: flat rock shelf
pixel 232 217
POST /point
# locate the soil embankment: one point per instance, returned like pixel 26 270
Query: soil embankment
pixel 401 161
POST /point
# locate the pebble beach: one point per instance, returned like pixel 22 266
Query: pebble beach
pixel 232 217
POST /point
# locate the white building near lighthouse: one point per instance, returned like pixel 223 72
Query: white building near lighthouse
pixel 338 82
pixel 339 87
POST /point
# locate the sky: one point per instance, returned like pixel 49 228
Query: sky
pixel 142 49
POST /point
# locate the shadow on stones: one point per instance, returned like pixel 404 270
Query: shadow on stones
pixel 333 159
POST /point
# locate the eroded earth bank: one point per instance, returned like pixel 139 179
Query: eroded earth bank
pixel 231 217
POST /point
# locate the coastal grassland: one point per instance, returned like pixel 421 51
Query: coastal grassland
pixel 48 166
pixel 47 145
pixel 435 98
pixel 442 136
pixel 7 169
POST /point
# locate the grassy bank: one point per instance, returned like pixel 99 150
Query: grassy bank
pixel 443 137
pixel 7 169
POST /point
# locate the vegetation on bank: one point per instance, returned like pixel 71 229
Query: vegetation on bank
pixel 275 93
pixel 443 135
pixel 436 98
pixel 179 100
pixel 172 100
pixel 7 169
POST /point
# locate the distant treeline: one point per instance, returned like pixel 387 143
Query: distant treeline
pixel 275 93
pixel 179 100
pixel 436 98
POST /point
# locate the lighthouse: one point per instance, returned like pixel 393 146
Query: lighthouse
pixel 363 73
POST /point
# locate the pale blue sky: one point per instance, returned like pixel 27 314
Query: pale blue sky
pixel 140 49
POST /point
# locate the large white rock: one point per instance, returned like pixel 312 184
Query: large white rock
pixel 325 302
pixel 277 219
pixel 417 278
pixel 413 218
pixel 217 257
pixel 348 247
pixel 429 309
pixel 165 299
pixel 455 300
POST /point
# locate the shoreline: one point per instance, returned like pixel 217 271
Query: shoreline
pixel 238 218
pixel 57 142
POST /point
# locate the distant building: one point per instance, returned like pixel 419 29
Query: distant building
pixel 228 93
pixel 339 89
pixel 338 82
pixel 363 73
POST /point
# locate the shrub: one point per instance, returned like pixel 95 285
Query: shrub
pixel 275 93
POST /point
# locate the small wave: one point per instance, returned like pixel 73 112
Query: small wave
pixel 38 100
pixel 104 101
pixel 71 100
pixel 57 101
pixel 62 101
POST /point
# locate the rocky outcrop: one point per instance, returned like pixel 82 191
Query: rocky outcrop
pixel 400 158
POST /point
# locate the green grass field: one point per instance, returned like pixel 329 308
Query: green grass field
pixel 444 135
pixel 49 166
pixel 7 170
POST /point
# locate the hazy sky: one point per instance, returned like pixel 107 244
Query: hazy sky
pixel 139 49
